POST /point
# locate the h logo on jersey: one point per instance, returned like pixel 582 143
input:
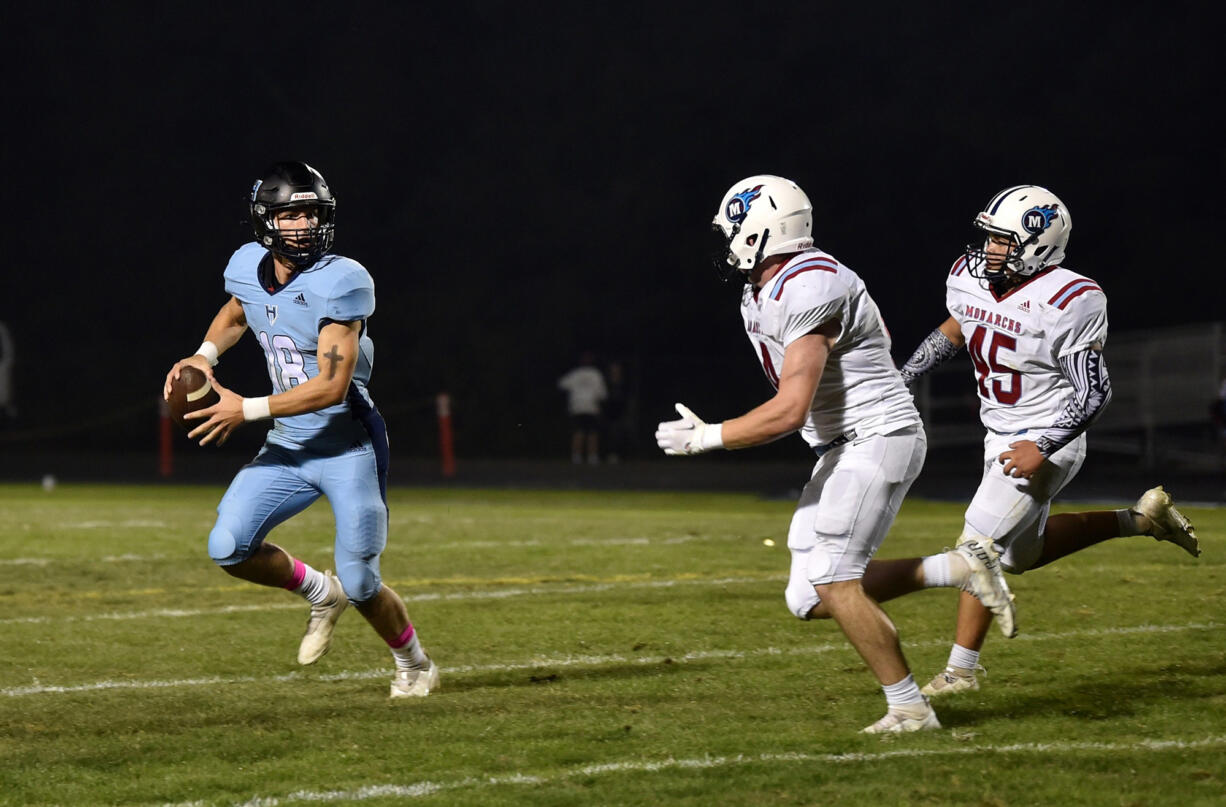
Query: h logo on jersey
pixel 271 312
pixel 1038 219
pixel 738 206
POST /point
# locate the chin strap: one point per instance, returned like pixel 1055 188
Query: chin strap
pixel 757 259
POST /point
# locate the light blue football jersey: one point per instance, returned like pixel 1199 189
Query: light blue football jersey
pixel 286 323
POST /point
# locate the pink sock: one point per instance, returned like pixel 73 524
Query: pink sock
pixel 407 651
pixel 404 639
pixel 295 581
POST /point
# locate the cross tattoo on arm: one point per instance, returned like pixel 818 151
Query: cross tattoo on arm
pixel 333 357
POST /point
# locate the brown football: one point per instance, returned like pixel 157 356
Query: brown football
pixel 189 392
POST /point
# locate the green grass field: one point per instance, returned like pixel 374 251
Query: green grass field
pixel 596 648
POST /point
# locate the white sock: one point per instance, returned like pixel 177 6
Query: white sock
pixel 1128 523
pixel 310 583
pixel 963 658
pixel 937 571
pixel 904 693
pixel 409 655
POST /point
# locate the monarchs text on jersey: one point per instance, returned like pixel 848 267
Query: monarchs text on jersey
pixel 860 389
pixel 1016 341
pixel 287 321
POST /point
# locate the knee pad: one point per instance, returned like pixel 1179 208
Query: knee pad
pixel 1010 568
pixel 1016 562
pixel 801 599
pixel 223 545
pixel 360 579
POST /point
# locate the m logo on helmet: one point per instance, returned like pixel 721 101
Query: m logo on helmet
pixel 1038 219
pixel 738 205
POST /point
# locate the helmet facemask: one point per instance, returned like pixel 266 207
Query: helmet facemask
pixel 986 264
pixel 727 264
pixel 300 247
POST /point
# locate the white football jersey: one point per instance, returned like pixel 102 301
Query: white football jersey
pixel 1016 341
pixel 860 388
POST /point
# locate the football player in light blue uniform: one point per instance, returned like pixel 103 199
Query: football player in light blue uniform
pixel 308 310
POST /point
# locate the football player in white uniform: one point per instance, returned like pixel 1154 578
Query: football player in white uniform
pixel 1035 332
pixel 822 344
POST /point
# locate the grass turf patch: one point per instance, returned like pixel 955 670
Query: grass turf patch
pixel 619 648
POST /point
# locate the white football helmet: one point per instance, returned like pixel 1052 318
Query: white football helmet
pixel 1037 223
pixel 760 216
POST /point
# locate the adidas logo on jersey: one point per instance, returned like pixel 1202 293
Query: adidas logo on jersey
pixel 1025 306
pixel 300 300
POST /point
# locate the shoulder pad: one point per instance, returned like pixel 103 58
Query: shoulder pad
pixel 817 263
pixel 1069 291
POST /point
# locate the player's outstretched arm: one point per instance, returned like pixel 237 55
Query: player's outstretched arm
pixel 937 347
pixel 223 333
pixel 783 414
pixel 803 362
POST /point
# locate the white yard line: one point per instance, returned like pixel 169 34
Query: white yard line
pixel 326 551
pixel 566 661
pixel 495 594
pixel 125 558
pixel 426 788
pixel 143 523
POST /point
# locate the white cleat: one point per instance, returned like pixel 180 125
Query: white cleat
pixel 415 683
pixel 987 582
pixel 903 719
pixel 951 681
pixel 318 636
pixel 1168 523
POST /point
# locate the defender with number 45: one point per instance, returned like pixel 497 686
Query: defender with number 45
pixel 1035 331
pixel 308 310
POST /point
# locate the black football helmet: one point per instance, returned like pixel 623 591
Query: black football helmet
pixel 286 186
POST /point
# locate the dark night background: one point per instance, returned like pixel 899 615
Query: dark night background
pixel 524 183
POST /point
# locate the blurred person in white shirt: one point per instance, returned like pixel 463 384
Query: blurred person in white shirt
pixel 585 392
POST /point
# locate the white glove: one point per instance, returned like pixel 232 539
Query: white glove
pixel 689 435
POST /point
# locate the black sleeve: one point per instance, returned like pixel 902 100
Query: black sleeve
pixel 931 353
pixel 1087 372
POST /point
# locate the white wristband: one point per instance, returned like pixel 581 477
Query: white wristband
pixel 209 351
pixel 713 436
pixel 256 408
